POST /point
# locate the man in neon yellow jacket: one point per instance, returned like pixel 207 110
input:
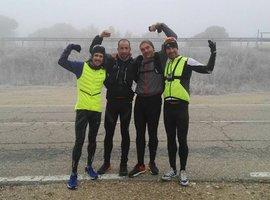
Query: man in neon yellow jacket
pixel 177 74
pixel 90 77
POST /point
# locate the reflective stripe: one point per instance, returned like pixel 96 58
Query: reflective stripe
pixel 89 93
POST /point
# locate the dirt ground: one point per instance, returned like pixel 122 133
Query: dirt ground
pixel 140 190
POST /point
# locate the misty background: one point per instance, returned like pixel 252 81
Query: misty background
pixel 240 66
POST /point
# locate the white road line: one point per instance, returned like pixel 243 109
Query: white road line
pixel 236 121
pixel 57 178
pixel 262 175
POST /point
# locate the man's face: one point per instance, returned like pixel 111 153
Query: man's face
pixel 97 59
pixel 172 52
pixel 123 50
pixel 147 50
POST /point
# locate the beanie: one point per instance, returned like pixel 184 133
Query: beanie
pixel 170 42
pixel 98 49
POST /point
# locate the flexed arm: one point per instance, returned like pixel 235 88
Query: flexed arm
pixel 73 66
pixel 159 27
pixel 98 39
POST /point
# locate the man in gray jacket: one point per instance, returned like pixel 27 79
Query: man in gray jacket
pixel 150 86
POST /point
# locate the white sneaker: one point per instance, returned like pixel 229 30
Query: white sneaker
pixel 183 180
pixel 169 175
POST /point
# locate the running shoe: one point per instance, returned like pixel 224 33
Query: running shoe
pixel 137 170
pixel 169 175
pixel 183 180
pixel 91 173
pixel 104 168
pixel 72 182
pixel 153 168
pixel 123 171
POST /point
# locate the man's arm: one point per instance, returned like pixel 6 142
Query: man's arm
pixel 159 27
pixel 98 39
pixel 204 69
pixel 73 66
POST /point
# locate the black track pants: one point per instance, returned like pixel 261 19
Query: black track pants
pixel 84 117
pixel 146 113
pixel 176 120
pixel 113 110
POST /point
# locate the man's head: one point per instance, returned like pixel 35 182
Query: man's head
pixel 98 54
pixel 171 47
pixel 147 49
pixel 124 49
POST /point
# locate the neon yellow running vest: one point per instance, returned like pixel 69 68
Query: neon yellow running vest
pixel 173 72
pixel 89 87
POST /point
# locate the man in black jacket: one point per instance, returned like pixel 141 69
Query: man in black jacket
pixel 119 79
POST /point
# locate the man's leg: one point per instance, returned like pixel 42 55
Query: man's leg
pixel 152 115
pixel 182 131
pixel 170 127
pixel 94 119
pixel 111 115
pixel 94 123
pixel 140 125
pixel 80 127
pixel 125 116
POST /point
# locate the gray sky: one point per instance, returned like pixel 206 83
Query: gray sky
pixel 186 17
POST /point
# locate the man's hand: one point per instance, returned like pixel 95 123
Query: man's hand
pixel 212 46
pixel 114 56
pixel 75 47
pixel 105 33
pixel 154 27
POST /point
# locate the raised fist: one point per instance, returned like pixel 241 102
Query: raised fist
pixel 105 33
pixel 212 46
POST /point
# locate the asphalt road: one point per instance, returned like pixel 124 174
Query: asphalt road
pixel 229 135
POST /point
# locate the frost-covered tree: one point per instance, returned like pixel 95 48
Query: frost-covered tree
pixel 212 32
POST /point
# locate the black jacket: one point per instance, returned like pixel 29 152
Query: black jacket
pixel 119 75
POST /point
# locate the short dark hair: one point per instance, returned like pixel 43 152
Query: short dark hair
pixel 147 42
pixel 124 40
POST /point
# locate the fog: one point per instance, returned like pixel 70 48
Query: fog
pixel 241 18
pixel 240 67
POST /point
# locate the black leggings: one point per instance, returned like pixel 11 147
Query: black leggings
pixel 84 117
pixel 147 112
pixel 113 110
pixel 176 120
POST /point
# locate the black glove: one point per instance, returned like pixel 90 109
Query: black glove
pixel 75 47
pixel 212 46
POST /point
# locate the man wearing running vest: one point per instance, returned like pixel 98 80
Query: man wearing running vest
pixel 147 109
pixel 177 74
pixel 90 77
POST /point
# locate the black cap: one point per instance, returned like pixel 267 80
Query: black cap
pixel 170 42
